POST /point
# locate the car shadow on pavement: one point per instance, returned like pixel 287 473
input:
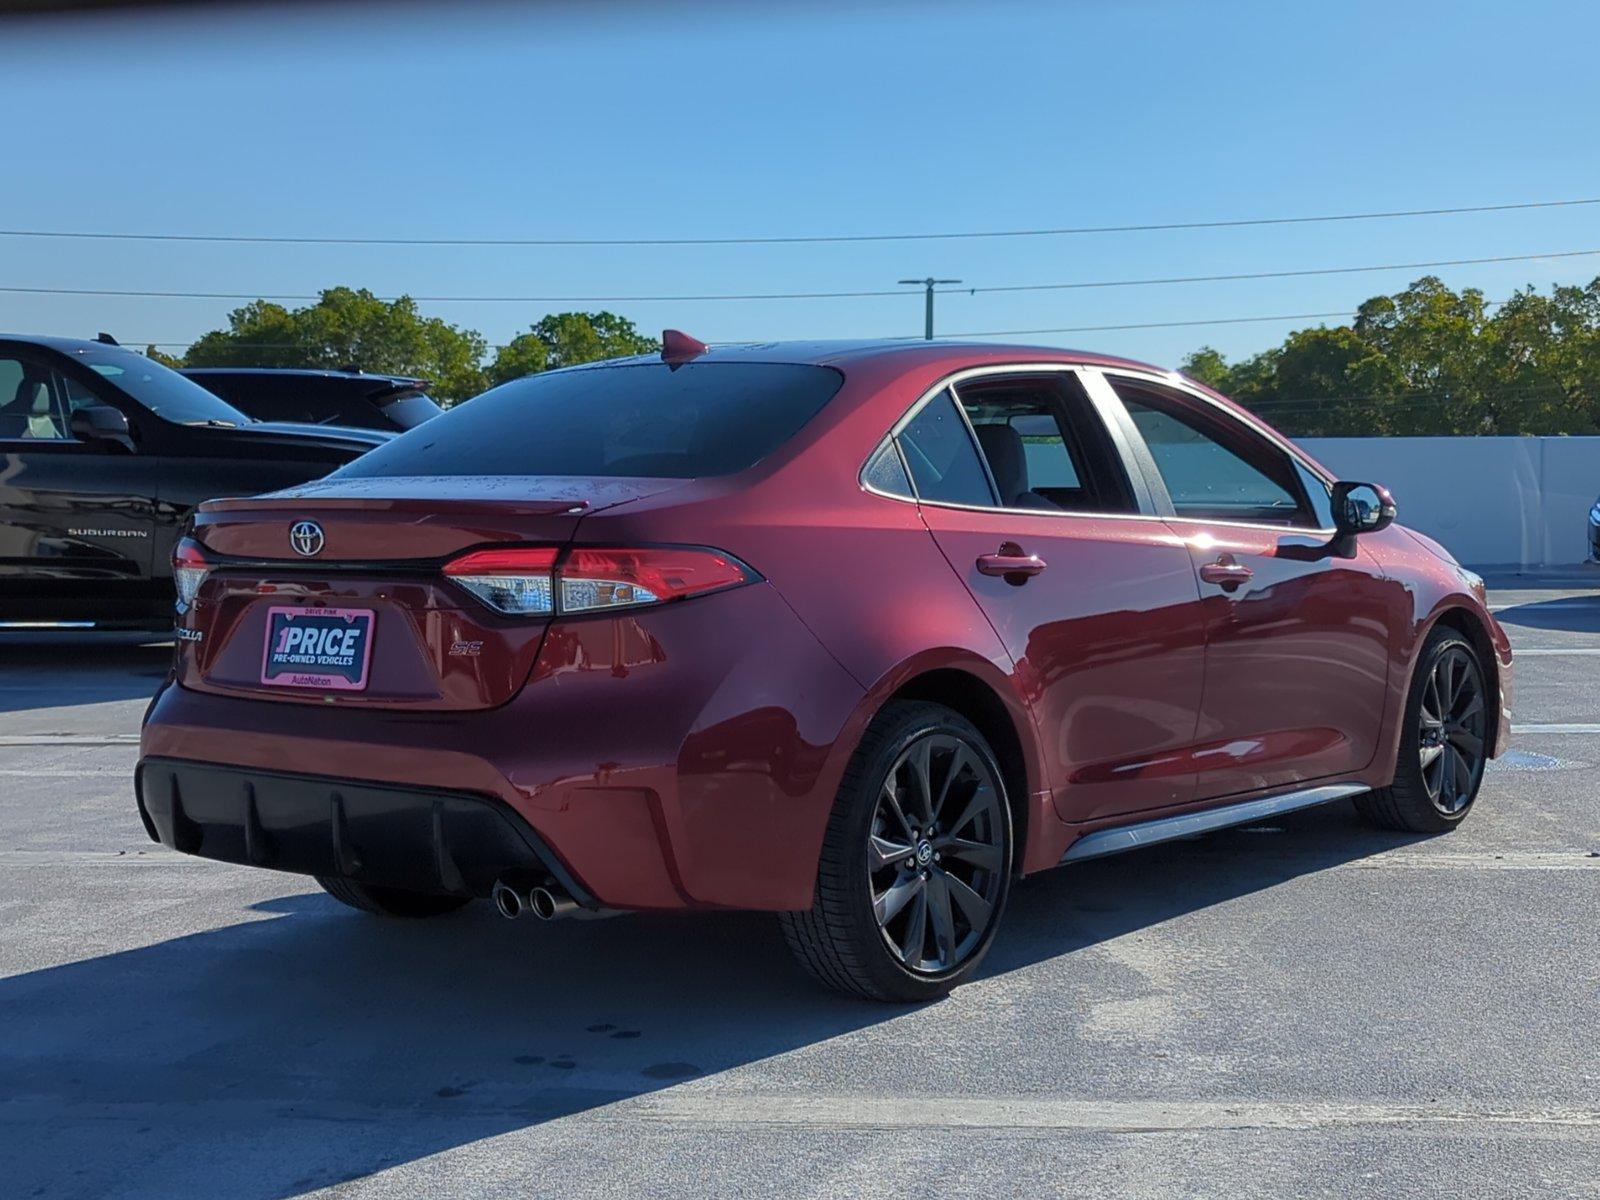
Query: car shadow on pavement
pixel 311 1045
pixel 49 671
pixel 1569 614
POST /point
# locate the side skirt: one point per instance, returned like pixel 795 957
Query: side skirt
pixel 1167 829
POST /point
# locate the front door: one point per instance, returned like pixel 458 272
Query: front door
pixel 1095 600
pixel 76 518
pixel 1297 621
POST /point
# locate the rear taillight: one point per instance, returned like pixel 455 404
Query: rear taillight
pixel 516 582
pixel 189 569
pixel 535 581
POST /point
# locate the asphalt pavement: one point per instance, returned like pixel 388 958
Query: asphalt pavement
pixel 1304 1008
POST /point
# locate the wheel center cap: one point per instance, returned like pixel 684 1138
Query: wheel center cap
pixel 924 853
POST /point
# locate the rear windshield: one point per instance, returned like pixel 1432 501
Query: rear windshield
pixel 409 409
pixel 642 419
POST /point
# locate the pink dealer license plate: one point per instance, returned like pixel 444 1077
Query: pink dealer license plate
pixel 323 648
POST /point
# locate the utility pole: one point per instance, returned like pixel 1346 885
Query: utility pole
pixel 929 283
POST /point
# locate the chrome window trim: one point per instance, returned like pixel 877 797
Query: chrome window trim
pixel 1178 383
pixel 1135 480
pixel 1088 373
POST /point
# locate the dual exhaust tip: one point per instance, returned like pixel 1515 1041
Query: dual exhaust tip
pixel 547 901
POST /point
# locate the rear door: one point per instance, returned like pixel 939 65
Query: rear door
pixel 1015 468
pixel 76 518
pixel 1297 625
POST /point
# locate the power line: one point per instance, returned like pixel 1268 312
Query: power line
pixel 837 295
pixel 788 240
pixel 1343 312
pixel 1412 266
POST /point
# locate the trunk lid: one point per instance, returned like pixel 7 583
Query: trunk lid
pixel 378 549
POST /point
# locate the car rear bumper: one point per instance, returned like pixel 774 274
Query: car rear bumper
pixel 655 759
pixel 451 843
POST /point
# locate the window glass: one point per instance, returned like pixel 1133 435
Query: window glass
pixel 78 395
pixel 1044 444
pixel 1320 495
pixel 30 402
pixel 884 473
pixel 162 390
pixel 643 419
pixel 1212 469
pixel 410 409
pixel 943 461
pixel 1049 462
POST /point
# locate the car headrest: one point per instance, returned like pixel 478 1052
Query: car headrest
pixel 1002 446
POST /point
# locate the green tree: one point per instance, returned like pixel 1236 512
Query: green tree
pixel 523 355
pixel 1206 365
pixel 166 360
pixel 570 338
pixel 349 327
pixel 1430 360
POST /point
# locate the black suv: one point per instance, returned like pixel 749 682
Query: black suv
pixel 103 454
pixel 392 402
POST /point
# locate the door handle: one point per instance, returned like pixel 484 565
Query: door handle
pixel 1227 573
pixel 1010 563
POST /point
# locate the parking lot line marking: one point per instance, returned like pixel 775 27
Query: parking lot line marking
pixel 1108 1116
pixel 68 773
pixel 1557 652
pixel 1555 728
pixel 1558 860
pixel 69 739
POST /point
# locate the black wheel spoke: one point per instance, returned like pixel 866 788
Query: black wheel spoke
pixel 943 920
pixel 979 854
pixel 960 761
pixel 1470 707
pixel 913 949
pixel 900 893
pixel 973 906
pixel 920 766
pixel 890 801
pixel 885 852
pixel 980 802
pixel 1467 743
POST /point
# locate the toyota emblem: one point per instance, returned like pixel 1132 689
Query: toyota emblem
pixel 305 538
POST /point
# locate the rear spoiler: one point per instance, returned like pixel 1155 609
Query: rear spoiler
pixel 393 389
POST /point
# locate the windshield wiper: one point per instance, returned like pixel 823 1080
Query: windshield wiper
pixel 215 423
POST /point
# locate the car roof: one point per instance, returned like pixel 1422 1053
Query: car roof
pixel 906 351
pixel 68 345
pixel 65 345
pixel 304 372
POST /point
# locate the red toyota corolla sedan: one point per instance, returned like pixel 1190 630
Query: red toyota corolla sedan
pixel 852 633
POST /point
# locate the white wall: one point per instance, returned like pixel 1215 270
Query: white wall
pixel 1493 501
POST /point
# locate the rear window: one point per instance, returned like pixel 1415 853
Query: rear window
pixel 409 409
pixel 648 419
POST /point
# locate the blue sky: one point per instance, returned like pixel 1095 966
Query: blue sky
pixel 617 120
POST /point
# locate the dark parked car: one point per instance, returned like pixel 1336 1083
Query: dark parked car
pixel 103 456
pixel 854 634
pixel 390 402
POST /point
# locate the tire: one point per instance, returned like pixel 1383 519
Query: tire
pixel 942 895
pixel 1440 765
pixel 389 902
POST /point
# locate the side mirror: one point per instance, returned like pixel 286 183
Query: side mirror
pixel 101 423
pixel 1362 508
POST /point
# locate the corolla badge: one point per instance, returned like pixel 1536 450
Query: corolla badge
pixel 305 538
